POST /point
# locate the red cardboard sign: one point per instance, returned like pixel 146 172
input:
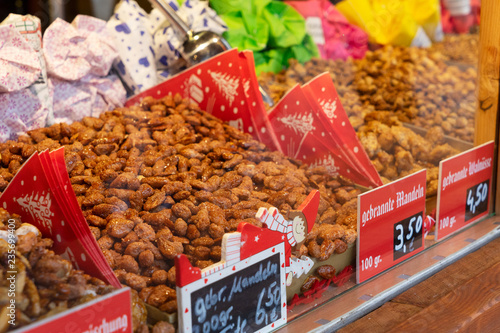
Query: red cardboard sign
pixel 42 194
pixel 222 86
pixel 390 225
pixel 321 91
pixel 109 313
pixel 238 294
pixel 464 189
pixel 302 135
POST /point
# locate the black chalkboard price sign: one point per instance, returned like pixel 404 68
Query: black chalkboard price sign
pixel 477 200
pixel 407 235
pixel 248 296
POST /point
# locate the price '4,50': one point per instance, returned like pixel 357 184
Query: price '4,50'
pixel 481 195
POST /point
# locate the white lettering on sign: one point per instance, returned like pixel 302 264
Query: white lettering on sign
pixel 115 325
pixel 259 276
pixel 314 27
pixel 374 212
pixel 454 177
pixel 447 222
pixel 405 198
pixel 479 165
pixel 473 168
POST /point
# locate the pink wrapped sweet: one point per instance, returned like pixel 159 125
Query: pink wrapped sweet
pixel 22 106
pixel 335 36
pixel 79 57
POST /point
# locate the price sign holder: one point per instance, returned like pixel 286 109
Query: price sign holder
pixel 464 189
pixel 240 293
pixel 390 225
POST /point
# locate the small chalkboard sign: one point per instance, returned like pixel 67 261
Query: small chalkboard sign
pixel 238 294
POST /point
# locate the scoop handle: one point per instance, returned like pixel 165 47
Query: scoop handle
pixel 179 25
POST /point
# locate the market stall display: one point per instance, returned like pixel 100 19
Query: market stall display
pixel 187 162
pixel 165 178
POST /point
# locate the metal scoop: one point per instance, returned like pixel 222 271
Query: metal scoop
pixel 199 46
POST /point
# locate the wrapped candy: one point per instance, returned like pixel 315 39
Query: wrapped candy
pixel 129 27
pixel 273 30
pixel 147 42
pixel 79 57
pixel 166 43
pixel 25 95
pixel 335 36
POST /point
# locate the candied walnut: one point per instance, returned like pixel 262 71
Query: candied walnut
pixel 386 140
pixel 26 242
pixel 51 270
pixel 329 216
pixel 326 271
pixel 350 236
pixel 330 232
pixel 404 161
pixel 314 249
pixel 340 246
pixel 327 249
pixel 309 283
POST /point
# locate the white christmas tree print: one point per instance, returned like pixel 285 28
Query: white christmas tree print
pixel 227 85
pixel 246 88
pixel 300 266
pixel 300 125
pixel 39 207
pixel 329 108
pixel 328 162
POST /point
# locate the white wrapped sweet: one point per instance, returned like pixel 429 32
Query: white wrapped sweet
pixel 129 27
pixel 79 57
pixel 147 43
pixel 25 97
